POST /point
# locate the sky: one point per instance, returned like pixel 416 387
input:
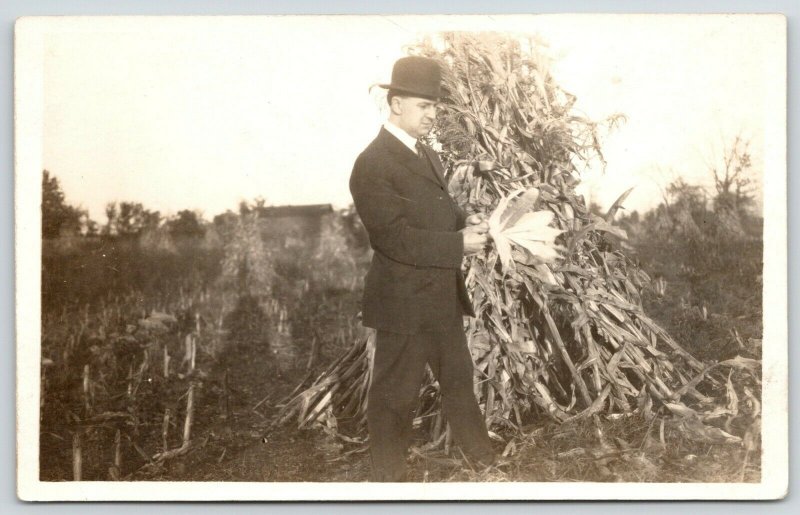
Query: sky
pixel 204 112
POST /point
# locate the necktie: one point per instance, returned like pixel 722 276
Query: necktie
pixel 420 151
pixel 425 160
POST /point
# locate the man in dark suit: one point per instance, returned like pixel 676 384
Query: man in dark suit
pixel 414 293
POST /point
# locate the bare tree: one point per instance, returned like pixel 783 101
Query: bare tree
pixel 732 177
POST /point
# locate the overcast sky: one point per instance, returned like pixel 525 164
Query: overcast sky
pixel 200 113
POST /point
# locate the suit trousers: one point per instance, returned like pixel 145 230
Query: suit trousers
pixel 398 373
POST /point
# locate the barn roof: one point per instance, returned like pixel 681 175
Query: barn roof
pixel 308 210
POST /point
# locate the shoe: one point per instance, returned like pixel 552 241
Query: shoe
pixel 484 462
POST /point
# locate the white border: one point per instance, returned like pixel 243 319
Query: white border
pixel 28 83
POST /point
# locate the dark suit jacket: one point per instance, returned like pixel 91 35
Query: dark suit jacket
pixel 415 281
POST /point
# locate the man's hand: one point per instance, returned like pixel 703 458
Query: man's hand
pixel 475 237
pixel 476 219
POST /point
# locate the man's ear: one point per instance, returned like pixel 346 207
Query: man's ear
pixel 396 105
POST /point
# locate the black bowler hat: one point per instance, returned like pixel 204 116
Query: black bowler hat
pixel 416 76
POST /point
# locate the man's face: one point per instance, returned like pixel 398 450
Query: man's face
pixel 414 115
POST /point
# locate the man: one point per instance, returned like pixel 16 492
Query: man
pixel 414 294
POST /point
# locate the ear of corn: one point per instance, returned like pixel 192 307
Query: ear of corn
pixel 528 230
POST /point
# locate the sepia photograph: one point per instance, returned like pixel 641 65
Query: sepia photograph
pixel 401 257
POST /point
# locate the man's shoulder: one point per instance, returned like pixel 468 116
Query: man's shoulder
pixel 373 149
pixel 377 145
pixel 376 153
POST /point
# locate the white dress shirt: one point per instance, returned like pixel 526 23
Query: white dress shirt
pixel 407 139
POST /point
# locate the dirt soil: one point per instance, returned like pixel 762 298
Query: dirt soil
pixel 232 449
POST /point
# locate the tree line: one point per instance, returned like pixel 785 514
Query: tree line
pixel 130 219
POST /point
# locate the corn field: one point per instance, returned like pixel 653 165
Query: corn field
pixel 139 369
pixel 566 339
pixel 123 387
pixel 137 376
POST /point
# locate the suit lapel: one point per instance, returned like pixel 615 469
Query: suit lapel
pixel 438 169
pixel 411 160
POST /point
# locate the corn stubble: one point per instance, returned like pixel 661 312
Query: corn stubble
pixel 560 329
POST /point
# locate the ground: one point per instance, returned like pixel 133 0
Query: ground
pixel 711 305
pixel 235 450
